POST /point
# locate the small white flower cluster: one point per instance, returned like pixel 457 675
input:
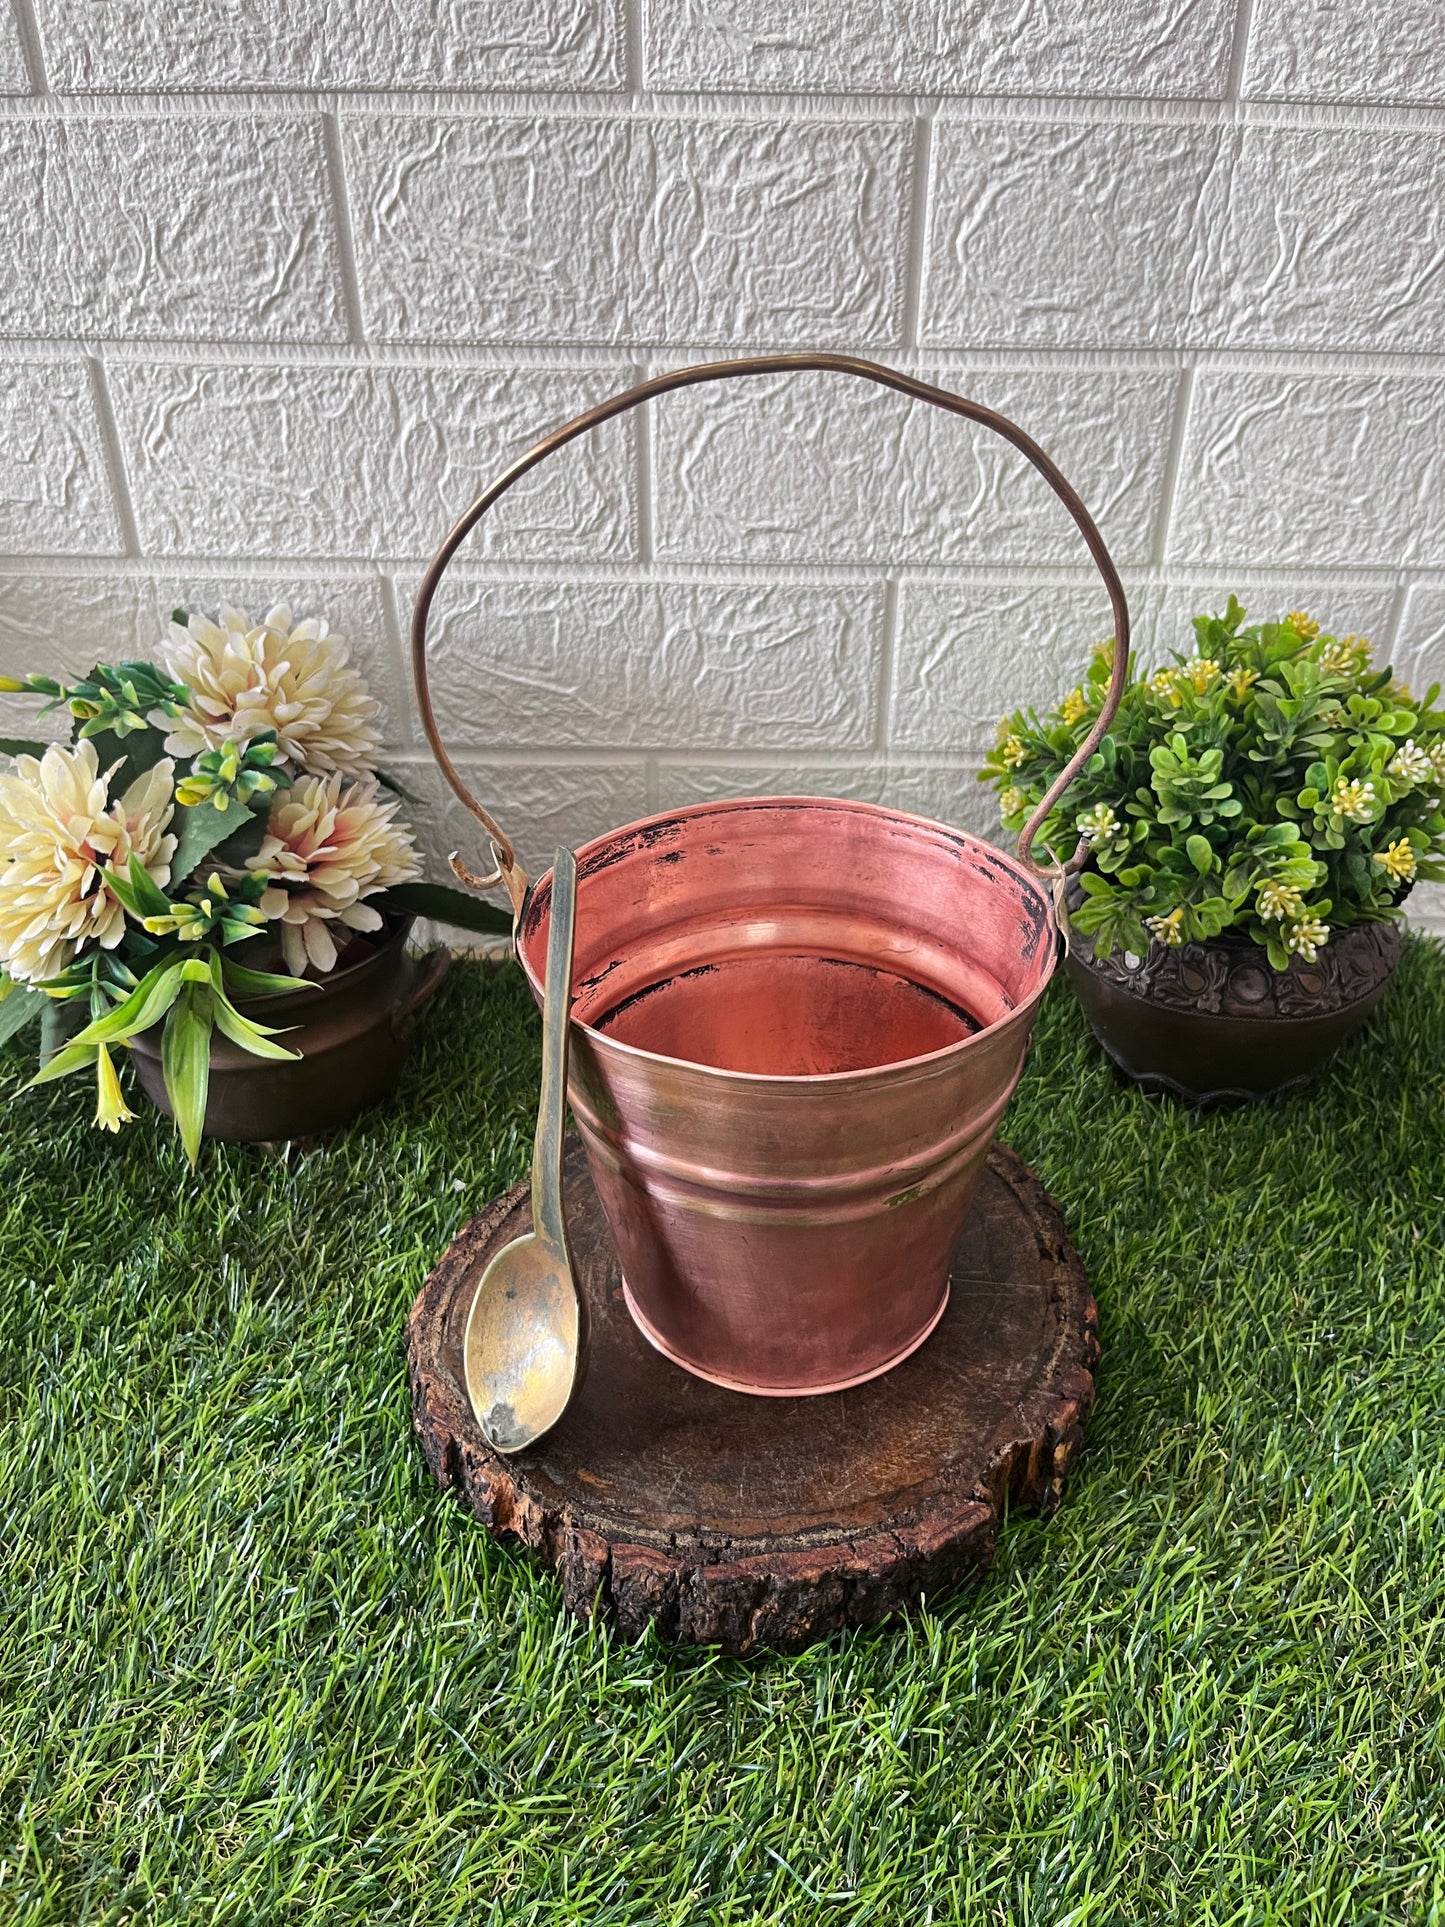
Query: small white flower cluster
pixel 1199 672
pixel 1397 860
pixel 1279 902
pixel 1411 765
pixel 1353 799
pixel 1304 938
pixel 1098 825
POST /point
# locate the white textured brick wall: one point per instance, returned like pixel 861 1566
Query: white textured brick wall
pixel 286 284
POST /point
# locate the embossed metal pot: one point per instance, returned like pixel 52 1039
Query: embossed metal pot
pixel 354 1032
pixel 1214 1022
pixel 796 1024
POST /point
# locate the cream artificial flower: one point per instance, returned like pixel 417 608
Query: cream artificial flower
pixel 111 1109
pixel 326 848
pixel 1074 707
pixel 1168 929
pixel 247 677
pixel 61 838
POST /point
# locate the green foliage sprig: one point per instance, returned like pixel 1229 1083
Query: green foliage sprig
pixel 1273 783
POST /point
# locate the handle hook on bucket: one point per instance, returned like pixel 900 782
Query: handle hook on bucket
pixel 508 870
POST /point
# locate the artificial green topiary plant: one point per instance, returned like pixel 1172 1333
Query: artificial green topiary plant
pixel 1273 784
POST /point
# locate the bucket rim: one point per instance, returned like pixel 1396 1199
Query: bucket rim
pixel 926 1064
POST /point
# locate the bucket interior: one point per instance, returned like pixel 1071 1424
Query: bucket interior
pixel 793 937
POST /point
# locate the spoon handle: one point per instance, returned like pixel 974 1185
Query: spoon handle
pixel 547 1219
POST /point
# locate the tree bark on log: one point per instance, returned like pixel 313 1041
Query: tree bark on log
pixel 746 1522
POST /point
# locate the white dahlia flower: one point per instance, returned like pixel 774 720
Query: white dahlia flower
pixel 245 677
pixel 326 849
pixel 61 839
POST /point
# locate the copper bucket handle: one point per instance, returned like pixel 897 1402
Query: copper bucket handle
pixel 508 870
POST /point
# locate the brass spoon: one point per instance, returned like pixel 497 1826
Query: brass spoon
pixel 526 1339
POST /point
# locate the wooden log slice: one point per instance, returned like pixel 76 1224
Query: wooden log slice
pixel 752 1522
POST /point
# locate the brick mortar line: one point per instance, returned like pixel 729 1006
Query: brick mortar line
pixel 881 110
pixel 1394 622
pixel 915 239
pixel 1173 465
pixel 1171 575
pixel 1239 55
pixel 887 655
pixel 634 46
pixel 524 358
pixel 586 756
pixel 398 653
pixel 342 235
pixel 32 48
pixel 113 455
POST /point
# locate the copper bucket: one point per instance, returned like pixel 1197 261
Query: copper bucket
pixel 795 1025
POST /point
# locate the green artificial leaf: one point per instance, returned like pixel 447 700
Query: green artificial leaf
pixel 436 901
pixel 58 1023
pixel 141 750
pixel 186 1063
pixel 244 842
pixel 260 983
pixel 199 828
pixel 72 1057
pixel 139 892
pixel 398 788
pixel 255 1038
pixel 21 1006
pixel 1200 854
pixel 21 746
pixel 152 997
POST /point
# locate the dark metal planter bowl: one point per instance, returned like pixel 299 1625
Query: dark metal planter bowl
pixel 1213 1022
pixel 354 1033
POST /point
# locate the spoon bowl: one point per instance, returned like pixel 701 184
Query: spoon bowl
pixel 523 1343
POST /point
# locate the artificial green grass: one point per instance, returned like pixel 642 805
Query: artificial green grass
pixel 254 1666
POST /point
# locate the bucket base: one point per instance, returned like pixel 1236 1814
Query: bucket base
pixel 661 1500
pixel 778 1391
